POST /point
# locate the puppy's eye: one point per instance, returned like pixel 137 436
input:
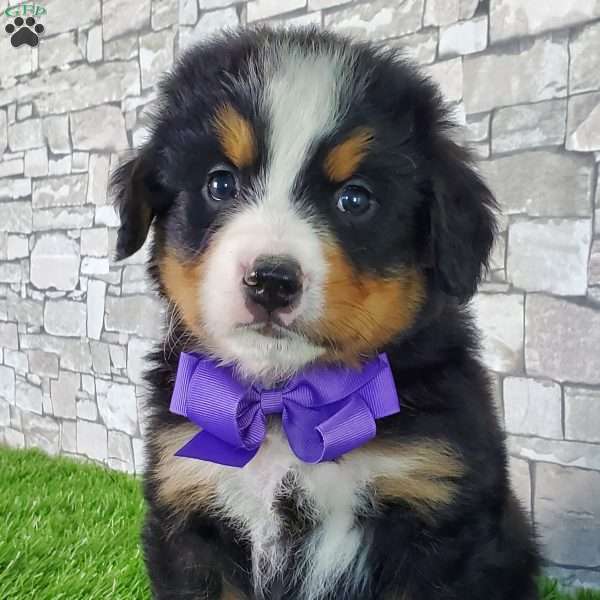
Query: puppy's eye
pixel 355 200
pixel 222 186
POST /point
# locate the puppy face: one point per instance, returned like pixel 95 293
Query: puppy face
pixel 307 203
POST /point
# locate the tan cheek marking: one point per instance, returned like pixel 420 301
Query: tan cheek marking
pixel 427 478
pixel 343 160
pixel 364 312
pixel 236 136
pixel 184 484
pixel 181 281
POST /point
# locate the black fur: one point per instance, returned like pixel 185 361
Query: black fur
pixel 480 547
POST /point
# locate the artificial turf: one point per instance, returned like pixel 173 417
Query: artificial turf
pixel 70 531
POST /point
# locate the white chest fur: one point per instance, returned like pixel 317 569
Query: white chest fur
pixel 335 492
pixel 334 554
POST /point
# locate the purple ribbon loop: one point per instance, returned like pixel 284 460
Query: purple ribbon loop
pixel 326 411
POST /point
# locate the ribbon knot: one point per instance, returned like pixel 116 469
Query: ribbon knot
pixel 271 401
pixel 325 411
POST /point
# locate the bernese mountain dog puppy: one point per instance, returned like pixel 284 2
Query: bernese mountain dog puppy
pixel 313 220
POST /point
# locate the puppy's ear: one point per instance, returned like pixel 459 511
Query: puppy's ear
pixel 462 221
pixel 138 197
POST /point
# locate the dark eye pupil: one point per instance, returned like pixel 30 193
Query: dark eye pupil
pixel 354 200
pixel 222 186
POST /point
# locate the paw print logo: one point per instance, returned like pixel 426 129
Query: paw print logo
pixel 24 32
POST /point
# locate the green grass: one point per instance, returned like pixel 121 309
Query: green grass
pixel 70 531
pixel 550 590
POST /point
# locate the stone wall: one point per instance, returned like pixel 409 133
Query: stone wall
pixel 524 77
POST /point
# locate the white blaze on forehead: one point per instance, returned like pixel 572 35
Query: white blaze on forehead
pixel 302 103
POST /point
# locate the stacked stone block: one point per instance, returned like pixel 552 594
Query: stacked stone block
pixel 522 77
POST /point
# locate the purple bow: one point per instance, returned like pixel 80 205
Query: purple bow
pixel 326 412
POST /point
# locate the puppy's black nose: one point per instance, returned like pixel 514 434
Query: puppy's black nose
pixel 274 282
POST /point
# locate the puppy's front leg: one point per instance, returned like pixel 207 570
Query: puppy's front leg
pixel 230 593
pixel 180 565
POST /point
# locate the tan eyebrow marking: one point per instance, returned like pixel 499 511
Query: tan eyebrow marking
pixel 342 161
pixel 236 136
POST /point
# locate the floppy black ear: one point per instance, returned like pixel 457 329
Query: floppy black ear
pixel 462 221
pixel 138 197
